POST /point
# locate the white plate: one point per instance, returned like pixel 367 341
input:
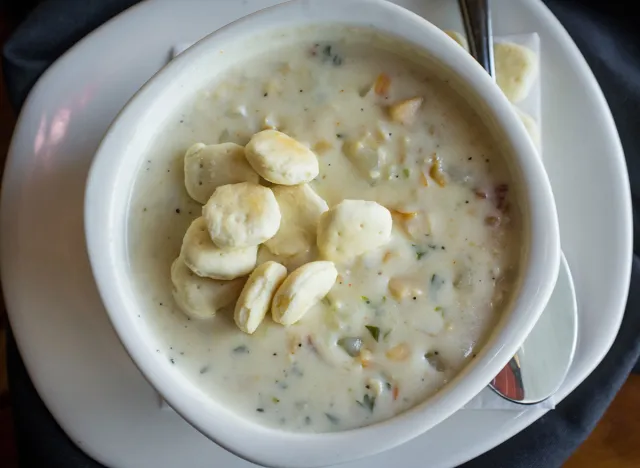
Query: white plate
pixel 71 352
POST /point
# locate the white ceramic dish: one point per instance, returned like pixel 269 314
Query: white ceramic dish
pixel 74 358
pixel 122 151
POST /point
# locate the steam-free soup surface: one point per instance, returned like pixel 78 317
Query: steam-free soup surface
pixel 402 320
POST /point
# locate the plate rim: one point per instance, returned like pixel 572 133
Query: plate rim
pixel 104 29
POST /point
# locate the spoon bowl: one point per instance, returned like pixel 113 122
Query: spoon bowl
pixel 540 366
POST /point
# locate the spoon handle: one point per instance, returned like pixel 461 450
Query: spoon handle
pixel 476 17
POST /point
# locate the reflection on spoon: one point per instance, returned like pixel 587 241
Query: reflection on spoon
pixel 540 366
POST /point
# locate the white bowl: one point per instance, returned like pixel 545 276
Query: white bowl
pixel 120 155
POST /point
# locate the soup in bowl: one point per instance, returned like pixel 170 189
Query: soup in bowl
pixel 324 238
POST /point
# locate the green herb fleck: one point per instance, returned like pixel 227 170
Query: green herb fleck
pixel 275 400
pixel 330 56
pixel 326 300
pixel 433 358
pixel 386 335
pixel 260 410
pixel 438 309
pixel 437 282
pixel 332 419
pixel 242 349
pixel 419 251
pixel 365 299
pixel 368 402
pixel 407 172
pixel 375 331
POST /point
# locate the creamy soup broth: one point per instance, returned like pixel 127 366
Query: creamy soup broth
pixel 421 305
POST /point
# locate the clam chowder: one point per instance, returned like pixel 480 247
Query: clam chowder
pixel 400 199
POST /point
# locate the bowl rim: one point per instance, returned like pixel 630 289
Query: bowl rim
pixel 234 432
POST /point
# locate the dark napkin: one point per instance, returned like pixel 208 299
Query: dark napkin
pixel 609 38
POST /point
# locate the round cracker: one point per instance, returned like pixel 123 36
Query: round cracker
pixel 242 215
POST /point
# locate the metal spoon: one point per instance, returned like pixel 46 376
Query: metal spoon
pixel 476 16
pixel 540 366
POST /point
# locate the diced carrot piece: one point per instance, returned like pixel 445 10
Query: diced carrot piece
pixel 396 390
pixel 382 84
